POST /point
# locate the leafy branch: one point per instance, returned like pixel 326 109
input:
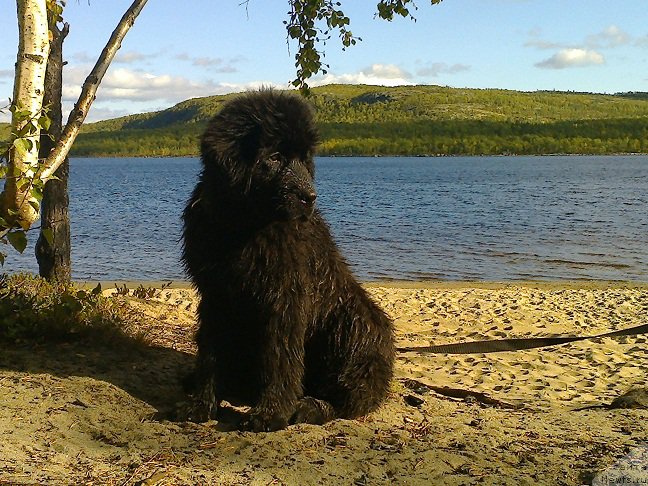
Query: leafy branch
pixel 29 184
pixel 310 23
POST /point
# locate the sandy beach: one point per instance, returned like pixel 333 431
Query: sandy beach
pixel 74 413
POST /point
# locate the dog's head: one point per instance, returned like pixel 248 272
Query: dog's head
pixel 262 144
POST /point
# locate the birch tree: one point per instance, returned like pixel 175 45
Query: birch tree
pixel 18 203
pixel 25 174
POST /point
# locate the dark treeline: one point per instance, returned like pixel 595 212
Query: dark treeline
pixel 155 142
pixel 482 137
pixel 409 120
pixel 459 137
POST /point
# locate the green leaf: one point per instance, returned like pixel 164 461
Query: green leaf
pixel 294 32
pixel 48 234
pixel 23 184
pixel 18 239
pixel 35 205
pixel 45 122
pixel 22 115
pixel 22 145
pixel 71 302
pixel 37 192
pixel 97 289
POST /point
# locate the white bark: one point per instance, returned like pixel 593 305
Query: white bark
pixel 33 51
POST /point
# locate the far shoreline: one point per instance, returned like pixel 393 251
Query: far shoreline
pixel 379 156
pixel 399 284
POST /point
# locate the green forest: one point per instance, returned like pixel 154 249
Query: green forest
pixel 409 120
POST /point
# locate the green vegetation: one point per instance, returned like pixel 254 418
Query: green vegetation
pixel 34 309
pixel 5 130
pixel 409 120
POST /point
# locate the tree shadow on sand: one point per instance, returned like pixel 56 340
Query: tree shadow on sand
pixel 149 373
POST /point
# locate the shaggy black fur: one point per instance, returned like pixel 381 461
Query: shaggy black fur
pixel 284 325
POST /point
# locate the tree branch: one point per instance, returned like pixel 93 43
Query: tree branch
pixel 88 92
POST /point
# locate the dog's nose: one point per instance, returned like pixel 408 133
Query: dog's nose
pixel 308 197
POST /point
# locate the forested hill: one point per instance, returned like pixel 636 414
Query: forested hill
pixel 410 120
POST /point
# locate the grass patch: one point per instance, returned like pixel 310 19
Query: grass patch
pixel 33 309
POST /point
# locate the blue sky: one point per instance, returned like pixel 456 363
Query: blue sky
pixel 179 50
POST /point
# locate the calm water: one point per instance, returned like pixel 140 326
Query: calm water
pixel 477 218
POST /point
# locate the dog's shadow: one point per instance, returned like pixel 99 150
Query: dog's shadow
pixel 149 373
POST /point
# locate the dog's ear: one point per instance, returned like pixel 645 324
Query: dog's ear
pixel 250 143
pixel 230 141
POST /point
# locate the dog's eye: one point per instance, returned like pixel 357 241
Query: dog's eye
pixel 272 162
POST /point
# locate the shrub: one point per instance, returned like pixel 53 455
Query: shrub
pixel 32 308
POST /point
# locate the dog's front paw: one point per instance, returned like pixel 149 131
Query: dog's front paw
pixel 260 421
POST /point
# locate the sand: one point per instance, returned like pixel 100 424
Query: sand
pixel 93 414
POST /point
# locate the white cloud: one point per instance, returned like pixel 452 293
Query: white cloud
pixel 611 36
pixel 584 54
pixel 132 57
pixel 207 61
pixel 122 57
pixel 385 71
pixel 535 41
pixel 437 68
pixel 543 44
pixel 98 112
pixel 83 58
pixel 216 64
pixel 376 74
pixel 135 85
pixel 124 91
pixel 642 41
pixel 568 58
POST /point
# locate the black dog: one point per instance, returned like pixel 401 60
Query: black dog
pixel 284 326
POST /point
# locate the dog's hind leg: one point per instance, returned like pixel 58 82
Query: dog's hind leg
pixel 200 384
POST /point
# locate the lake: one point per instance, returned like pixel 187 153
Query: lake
pixel 454 218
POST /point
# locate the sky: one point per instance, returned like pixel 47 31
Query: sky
pixel 181 50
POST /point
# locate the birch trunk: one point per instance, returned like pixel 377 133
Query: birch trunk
pixel 33 51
